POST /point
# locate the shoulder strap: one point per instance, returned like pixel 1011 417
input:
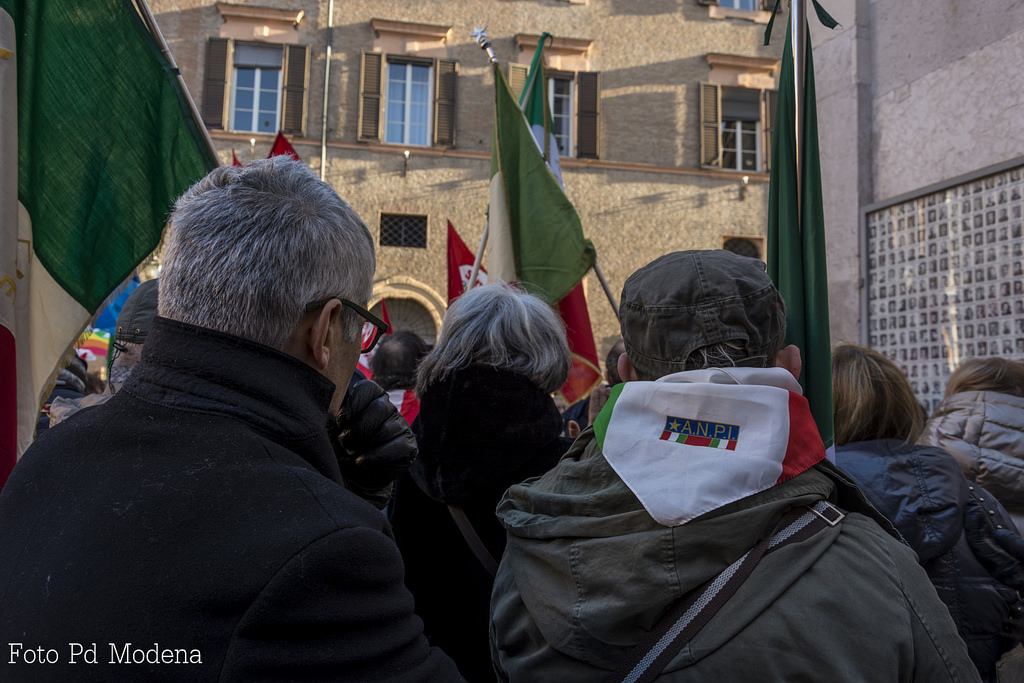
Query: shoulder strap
pixel 475 544
pixel 691 613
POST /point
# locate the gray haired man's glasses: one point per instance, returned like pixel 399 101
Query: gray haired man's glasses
pixel 373 329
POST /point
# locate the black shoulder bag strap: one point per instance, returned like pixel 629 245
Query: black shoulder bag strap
pixel 475 544
pixel 693 611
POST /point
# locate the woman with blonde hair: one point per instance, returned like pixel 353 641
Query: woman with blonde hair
pixel 952 527
pixel 981 422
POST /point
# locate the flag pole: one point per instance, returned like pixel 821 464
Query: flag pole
pixel 798 43
pixel 142 7
pixel 480 35
pixel 607 289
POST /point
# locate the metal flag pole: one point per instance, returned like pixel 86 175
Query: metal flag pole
pixel 142 7
pixel 480 35
pixel 798 43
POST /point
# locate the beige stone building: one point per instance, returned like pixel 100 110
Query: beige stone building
pixel 922 153
pixel 661 109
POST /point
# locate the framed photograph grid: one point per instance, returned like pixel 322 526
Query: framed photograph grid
pixel 945 279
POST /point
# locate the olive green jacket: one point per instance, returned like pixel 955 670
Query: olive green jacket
pixel 587 572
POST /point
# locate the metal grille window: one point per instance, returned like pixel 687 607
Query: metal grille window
pixel 945 281
pixel 742 246
pixel 398 230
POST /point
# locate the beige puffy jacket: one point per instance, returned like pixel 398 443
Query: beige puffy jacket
pixel 984 431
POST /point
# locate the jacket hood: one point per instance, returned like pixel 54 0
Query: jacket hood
pixel 920 488
pixel 482 429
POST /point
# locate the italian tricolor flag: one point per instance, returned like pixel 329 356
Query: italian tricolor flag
pixel 536 237
pixel 96 142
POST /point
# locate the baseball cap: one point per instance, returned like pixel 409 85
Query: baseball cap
pixel 136 317
pixel 686 300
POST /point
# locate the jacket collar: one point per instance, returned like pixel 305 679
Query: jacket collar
pixel 197 369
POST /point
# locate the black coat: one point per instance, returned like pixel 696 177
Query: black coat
pixel 479 432
pixel 200 511
pixel 923 492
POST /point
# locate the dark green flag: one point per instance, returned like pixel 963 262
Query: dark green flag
pixel 796 236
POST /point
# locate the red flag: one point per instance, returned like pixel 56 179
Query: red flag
pixel 281 146
pixel 460 265
pixel 234 159
pixel 385 317
pixel 585 374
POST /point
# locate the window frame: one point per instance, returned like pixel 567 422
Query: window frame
pixel 441 109
pixel 257 89
pixel 409 85
pixel 713 125
pixel 567 121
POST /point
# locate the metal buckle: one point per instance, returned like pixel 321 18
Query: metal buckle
pixel 828 512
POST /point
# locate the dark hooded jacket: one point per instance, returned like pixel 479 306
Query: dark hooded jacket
pixel 922 490
pixel 479 431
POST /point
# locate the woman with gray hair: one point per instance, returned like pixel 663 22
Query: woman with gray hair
pixel 486 421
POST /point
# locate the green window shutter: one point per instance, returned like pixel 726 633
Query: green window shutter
pixel 710 124
pixel 370 88
pixel 517 74
pixel 588 104
pixel 296 80
pixel 215 82
pixel 444 102
pixel 771 98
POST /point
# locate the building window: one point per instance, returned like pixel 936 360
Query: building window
pixel 740 4
pixel 741 129
pixel 255 87
pixel 736 127
pixel 407 105
pixel 399 230
pixel 256 91
pixel 744 246
pixel 560 99
pixel 415 98
pixel 573 99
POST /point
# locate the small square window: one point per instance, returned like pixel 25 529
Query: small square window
pixel 399 230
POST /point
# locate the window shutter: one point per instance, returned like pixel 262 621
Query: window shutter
pixel 370 96
pixel 771 98
pixel 215 82
pixel 588 101
pixel 710 124
pixel 296 78
pixel 444 102
pixel 708 2
pixel 517 74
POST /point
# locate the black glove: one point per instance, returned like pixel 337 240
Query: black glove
pixel 372 441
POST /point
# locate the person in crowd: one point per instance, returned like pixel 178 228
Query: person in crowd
pixel 69 386
pixel 703 459
pixel 581 414
pixel 923 492
pixel 486 421
pixel 981 422
pixel 394 365
pixel 130 331
pixel 199 525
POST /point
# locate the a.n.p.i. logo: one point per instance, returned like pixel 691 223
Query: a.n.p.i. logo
pixel 701 433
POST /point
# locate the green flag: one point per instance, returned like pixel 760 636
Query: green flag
pixel 535 234
pixel 105 143
pixel 796 236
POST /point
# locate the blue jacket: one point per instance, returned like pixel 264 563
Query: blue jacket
pixel 922 490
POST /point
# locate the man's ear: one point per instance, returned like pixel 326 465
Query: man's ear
pixel 312 341
pixel 627 373
pixel 789 358
pixel 323 333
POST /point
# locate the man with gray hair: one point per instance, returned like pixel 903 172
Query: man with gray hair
pixel 696 532
pixel 201 525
